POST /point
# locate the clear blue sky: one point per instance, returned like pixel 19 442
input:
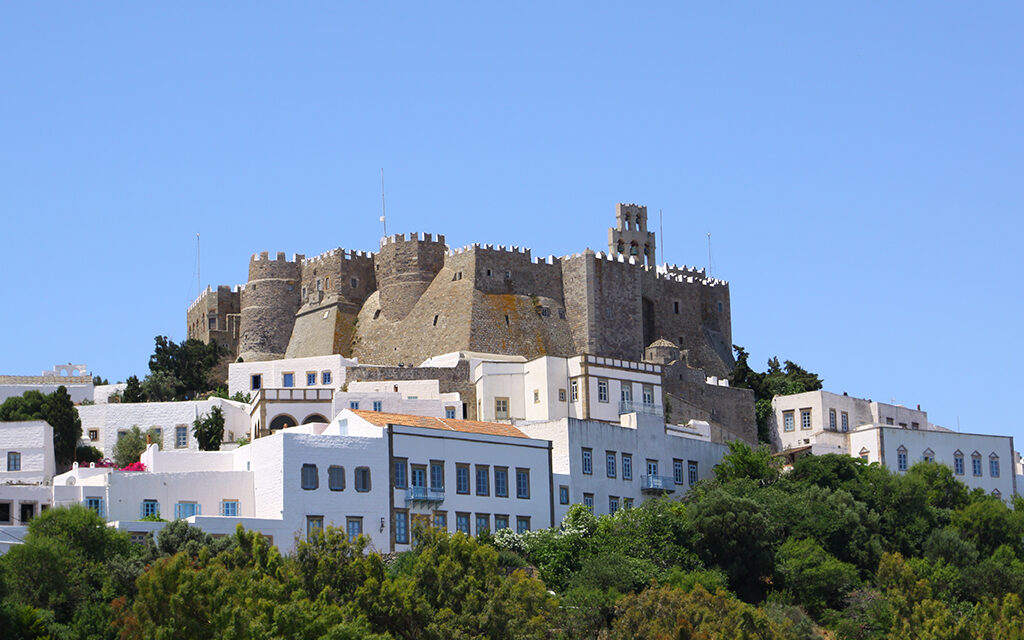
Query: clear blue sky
pixel 858 166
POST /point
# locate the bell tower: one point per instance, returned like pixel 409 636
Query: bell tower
pixel 630 236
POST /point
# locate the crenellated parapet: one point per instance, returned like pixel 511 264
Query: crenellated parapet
pixel 269 302
pixel 404 269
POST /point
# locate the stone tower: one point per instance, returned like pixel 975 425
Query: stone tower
pixel 630 236
pixel 269 302
pixel 404 270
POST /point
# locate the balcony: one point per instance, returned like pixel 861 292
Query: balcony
pixel 423 494
pixel 657 484
pixel 646 408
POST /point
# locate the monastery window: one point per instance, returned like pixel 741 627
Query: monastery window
pixel 588 461
pixel 588 501
pixel 523 483
pixel 652 467
pixel 677 471
pixel 462 523
pixel 901 459
pixel 544 311
pixel 483 480
pixel 362 479
pixel 993 465
pixel 692 472
pixel 613 504
pixel 501 408
pixel 256 382
pixel 832 419
pixel 376 314
pixel 846 422
pixel 213 322
pixel 888 421
pixel 928 455
pixel 94 435
pixel 864 454
pixel 288 380
pixel 561 395
pixel 449 413
pixel 325 377
pixel 602 390
pixel 508 275
pixel 574 390
pixel 976 464
pixel 563 494
pixel 958 463
pixel 788 421
pixel 150 508
pixel 310 478
pixel 609 464
pixel 401 526
pixel 627 466
pixel 561 314
pixel 314 526
pixel 805 419
pixel 457 276
pixel 400 466
pixel 437 475
pixel 327 284
pixel 719 307
pixel 522 524
pixel 303 292
pixel 336 478
pixel 353 527
pixel 500 522
pixel 500 481
pixel 441 520
pixel 354 282
pixel 181 437
pixel 462 479
pixel 506 320
pixel 310 378
pixel 903 425
pixel 483 523
pixel 488 273
pixel 229 508
pixel 319 285
pixel 675 307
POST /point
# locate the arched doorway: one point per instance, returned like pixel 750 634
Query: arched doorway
pixel 282 421
pixel 315 417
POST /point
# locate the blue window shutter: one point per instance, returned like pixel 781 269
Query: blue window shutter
pixel 199 509
pixel 177 512
pixel 142 510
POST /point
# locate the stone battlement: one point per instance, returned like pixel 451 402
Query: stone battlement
pixel 264 256
pixel 341 254
pixel 413 237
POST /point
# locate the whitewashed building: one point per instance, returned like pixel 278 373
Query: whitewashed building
pixel 26 456
pixel 317 372
pixel 102 424
pixel 819 422
pixel 73 377
pixel 608 466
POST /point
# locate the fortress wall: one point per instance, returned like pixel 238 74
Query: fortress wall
pixel 730 408
pixel 268 305
pixel 609 293
pixel 451 380
pixel 224 306
pixel 405 268
pixel 342 277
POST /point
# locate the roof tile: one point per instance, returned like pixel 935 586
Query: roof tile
pixel 381 419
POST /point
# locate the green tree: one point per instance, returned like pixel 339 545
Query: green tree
pixel 988 523
pixel 742 461
pixel 131 445
pixel 209 429
pixel 161 386
pixel 187 365
pixel 817 578
pixel 57 410
pixel 778 380
pixel 133 391
pixel 97 381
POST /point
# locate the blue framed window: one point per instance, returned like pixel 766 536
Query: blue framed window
pixel 437 475
pixel 325 377
pixel 310 379
pixel 483 476
pixel 309 476
pixel 522 524
pixel 627 466
pixel 563 494
pixel 184 510
pixel 149 508
pixel 229 508
pixel 609 464
pixel 483 523
pixel 96 504
pixel 462 523
pixel 378 406
pixel 523 483
pixel 677 471
pixel 500 522
pixel 449 413
pixel 993 467
pixel 288 380
pixel 402 527
pixel 401 480
pixel 462 479
pixel 691 471
pixel 354 527
pixel 500 482
pixel 353 404
pixel 588 461
pixel 958 465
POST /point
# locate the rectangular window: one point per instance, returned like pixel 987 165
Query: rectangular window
pixel 522 524
pixel 691 471
pixel 96 504
pixel 449 413
pixel 993 467
pixel 483 523
pixel 958 465
pixel 805 418
pixel 288 380
pixel 353 527
pixel 627 503
pixel 588 461
pixel 563 494
pixel 419 476
pixel 501 408
pixel 832 419
pixel 609 464
pixel 310 378
pixel 523 483
pixel 353 404
pixel 5 513
pixel 536 396
pixel 462 523
pixel 500 481
pixel 915 426
pixel 888 421
pixel 574 390
pixel 378 405
pixel 94 435
pixel 976 466
pixel 846 421
pixel 588 501
pixel 626 393
pixel 336 478
pixel 325 377
pixel 401 527
pixel 149 508
pixel 901 461
pixel 561 395
pixel 462 478
pixel 441 520
pixel 652 467
pixel 788 421
pixel 256 382
pixel 675 307
pixel 362 479
pixel 627 466
pixel 483 477
pixel 184 510
pixel 613 504
pixel 13 461
pixel 648 392
pixel 229 508
pixel 310 477
pixel 677 471
pixel 602 391
pixel 180 437
pixel 401 481
pixel 500 522
pixel 314 526
pixel 436 475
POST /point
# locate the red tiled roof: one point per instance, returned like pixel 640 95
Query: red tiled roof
pixel 467 426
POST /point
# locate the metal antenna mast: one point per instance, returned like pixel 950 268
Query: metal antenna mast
pixel 709 255
pixel 661 232
pixel 383 208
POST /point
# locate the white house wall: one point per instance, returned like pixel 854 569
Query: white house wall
pixel 272 372
pixel 33 440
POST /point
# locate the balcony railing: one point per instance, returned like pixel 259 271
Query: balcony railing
pixel 657 483
pixel 648 408
pixel 424 494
